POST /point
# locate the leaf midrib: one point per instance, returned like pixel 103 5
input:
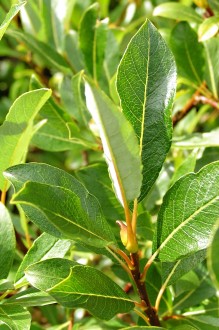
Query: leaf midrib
pixel 185 222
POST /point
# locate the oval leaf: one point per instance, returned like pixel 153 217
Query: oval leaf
pixel 60 181
pixel 120 145
pixel 146 84
pixel 7 242
pixel 208 28
pixel 74 285
pixel 189 210
pixel 88 288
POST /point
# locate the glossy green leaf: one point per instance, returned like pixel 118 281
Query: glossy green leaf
pixel 189 210
pixel 120 145
pixel 177 11
pixel 188 53
pixel 88 288
pixel 16 131
pixel 71 285
pixel 172 271
pixel 48 54
pixel 10 15
pixel 45 274
pixel 213 263
pixel 208 28
pixel 197 140
pixel 7 242
pixel 146 84
pixel 212 65
pixel 31 297
pixel 15 317
pixel 44 247
pixel 93 32
pixel 67 214
pixel 85 223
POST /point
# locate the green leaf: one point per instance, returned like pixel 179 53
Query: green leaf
pixel 31 297
pixel 71 285
pixel 186 166
pixel 31 19
pixel 175 270
pixel 96 180
pixel 44 247
pixel 177 11
pixel 208 28
pixel 85 223
pixel 212 65
pixel 48 54
pixel 188 53
pixel 197 140
pixel 73 53
pixel 15 317
pixel 6 285
pixel 10 15
pixel 7 242
pixel 16 131
pixel 201 291
pixel 92 40
pixel 146 84
pixel 46 274
pixel 214 5
pixel 60 132
pixel 88 288
pixel 213 263
pixel 120 145
pixel 189 210
pixel 56 16
pixel 184 327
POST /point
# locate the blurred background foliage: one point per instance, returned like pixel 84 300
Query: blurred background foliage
pixel 46 45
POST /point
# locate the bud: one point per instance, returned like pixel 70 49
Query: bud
pixel 123 232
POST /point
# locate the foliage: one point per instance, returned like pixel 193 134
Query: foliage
pixel 109 170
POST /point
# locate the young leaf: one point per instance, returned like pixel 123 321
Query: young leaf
pixel 177 11
pixel 146 84
pixel 120 145
pixel 213 263
pixel 15 317
pixel 88 288
pixel 7 242
pixel 212 65
pixel 58 181
pixel 10 15
pixel 16 131
pixel 44 247
pixel 189 210
pixel 188 53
